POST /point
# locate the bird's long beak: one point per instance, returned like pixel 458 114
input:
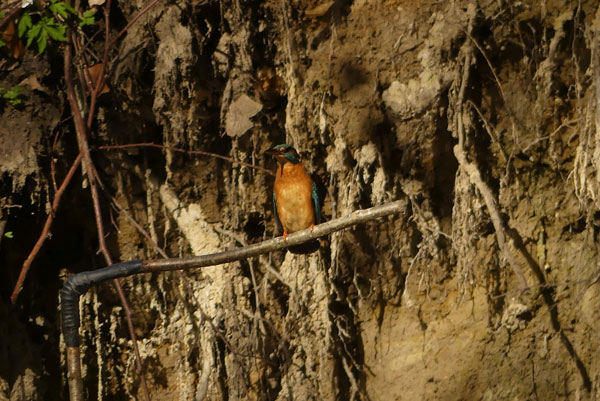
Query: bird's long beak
pixel 273 152
pixel 277 154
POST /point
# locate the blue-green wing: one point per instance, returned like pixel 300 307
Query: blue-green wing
pixel 316 203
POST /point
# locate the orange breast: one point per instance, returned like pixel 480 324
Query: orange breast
pixel 293 192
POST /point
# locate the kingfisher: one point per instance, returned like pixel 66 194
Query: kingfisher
pixel 295 196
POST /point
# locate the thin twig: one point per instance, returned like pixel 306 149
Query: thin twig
pixel 85 81
pixel 564 124
pixel 45 231
pixel 133 20
pixel 500 87
pixel 11 14
pixel 81 131
pixel 490 130
pixel 99 84
pixel 104 250
pixel 10 5
pixel 52 164
pixel 191 152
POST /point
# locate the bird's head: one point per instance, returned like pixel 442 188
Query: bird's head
pixel 284 153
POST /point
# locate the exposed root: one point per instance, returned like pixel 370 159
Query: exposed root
pixel 506 235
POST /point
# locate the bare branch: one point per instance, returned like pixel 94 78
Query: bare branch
pixel 45 231
pixel 133 20
pixel 359 216
pixel 191 152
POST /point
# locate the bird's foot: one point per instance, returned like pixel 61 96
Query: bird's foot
pixel 285 234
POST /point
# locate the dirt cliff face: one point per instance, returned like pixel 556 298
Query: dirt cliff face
pixel 483 117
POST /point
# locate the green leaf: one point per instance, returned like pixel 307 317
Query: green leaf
pixel 48 24
pixel 61 8
pixel 87 18
pixel 13 92
pixel 69 8
pixel 42 41
pixel 33 33
pixel 15 102
pixel 8 234
pixel 24 24
pixel 12 95
pixel 2 43
pixel 57 9
pixel 56 32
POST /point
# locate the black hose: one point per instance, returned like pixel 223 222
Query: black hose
pixel 78 284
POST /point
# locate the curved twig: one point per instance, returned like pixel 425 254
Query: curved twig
pixel 133 20
pixel 45 231
pixel 15 9
pixel 192 152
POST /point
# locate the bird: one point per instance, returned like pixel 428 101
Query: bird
pixel 296 200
